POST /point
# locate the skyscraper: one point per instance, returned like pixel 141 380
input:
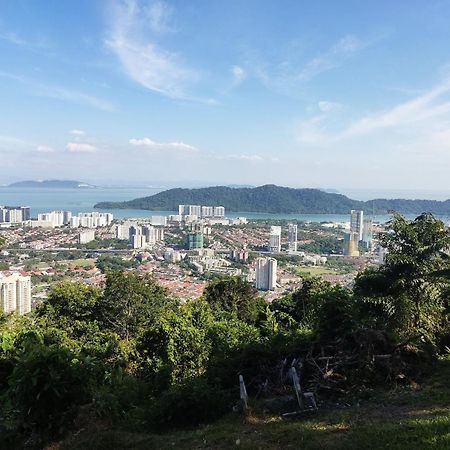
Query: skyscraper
pixel 266 274
pixel 356 223
pixel 15 293
pixel 351 241
pixel 275 239
pixel 195 240
pixel 292 237
pixel 367 234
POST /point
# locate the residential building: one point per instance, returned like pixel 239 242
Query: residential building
pixel 367 234
pixel 14 214
pixel 275 239
pixel 266 274
pixel 86 236
pixel 188 211
pixel 195 240
pixel 15 293
pixel 356 223
pixel 292 237
pixel 219 211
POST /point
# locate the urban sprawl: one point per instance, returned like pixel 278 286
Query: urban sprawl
pixel 183 251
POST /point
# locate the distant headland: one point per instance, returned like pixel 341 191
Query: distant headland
pixel 52 184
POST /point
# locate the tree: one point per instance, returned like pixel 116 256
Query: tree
pixel 107 263
pixel 131 302
pixel 402 290
pixel 300 308
pixel 177 347
pixel 72 301
pixel 235 296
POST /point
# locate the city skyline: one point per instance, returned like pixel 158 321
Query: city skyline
pixel 303 95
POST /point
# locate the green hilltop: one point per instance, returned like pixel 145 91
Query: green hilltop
pixel 275 199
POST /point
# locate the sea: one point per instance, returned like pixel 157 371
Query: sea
pixel 83 200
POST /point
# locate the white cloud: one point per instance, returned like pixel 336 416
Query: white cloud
pixel 415 128
pixel 132 38
pixel 158 15
pixel 237 157
pixel 343 49
pixel 78 147
pixel 239 74
pixel 326 106
pixel 76 132
pixel 418 109
pixel 44 149
pixel 150 144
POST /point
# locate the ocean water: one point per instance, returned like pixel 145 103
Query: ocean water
pixel 83 200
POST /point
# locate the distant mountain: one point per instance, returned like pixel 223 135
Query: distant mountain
pixel 275 199
pixel 52 184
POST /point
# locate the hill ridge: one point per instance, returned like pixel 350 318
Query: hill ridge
pixel 270 198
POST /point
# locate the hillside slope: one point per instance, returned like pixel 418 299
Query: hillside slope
pixel 275 199
pixel 407 418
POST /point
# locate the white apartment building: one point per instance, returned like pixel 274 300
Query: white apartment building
pixel 56 218
pixel 15 293
pixel 14 214
pixel 188 211
pixel 356 223
pixel 86 236
pixel 275 239
pixel 91 220
pixel 292 237
pixel 266 274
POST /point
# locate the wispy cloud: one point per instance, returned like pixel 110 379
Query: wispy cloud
pixel 420 108
pixel 291 70
pixel 76 132
pixel 420 123
pixel 45 149
pixel 326 106
pixel 339 52
pixel 241 157
pixel 133 34
pixel 79 147
pixel 15 39
pixel 152 145
pixel 238 74
pixel 60 93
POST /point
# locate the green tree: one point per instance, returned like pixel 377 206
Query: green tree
pixel 177 347
pixel 300 308
pixel 235 296
pixel 131 302
pixel 107 263
pixel 402 292
pixel 72 301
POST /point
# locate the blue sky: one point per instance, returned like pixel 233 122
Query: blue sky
pixel 337 94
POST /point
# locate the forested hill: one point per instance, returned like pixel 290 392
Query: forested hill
pixel 275 199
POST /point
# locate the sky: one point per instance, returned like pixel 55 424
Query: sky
pixel 332 94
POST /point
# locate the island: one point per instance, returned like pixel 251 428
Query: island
pixel 277 200
pixel 51 184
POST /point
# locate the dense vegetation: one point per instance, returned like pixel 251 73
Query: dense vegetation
pixel 275 199
pixel 132 355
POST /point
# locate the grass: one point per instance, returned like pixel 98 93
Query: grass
pixel 316 271
pixel 414 417
pixel 79 262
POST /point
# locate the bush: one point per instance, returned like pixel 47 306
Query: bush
pixel 189 404
pixel 45 388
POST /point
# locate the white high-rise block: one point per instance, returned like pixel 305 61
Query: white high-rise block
pixel 15 293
